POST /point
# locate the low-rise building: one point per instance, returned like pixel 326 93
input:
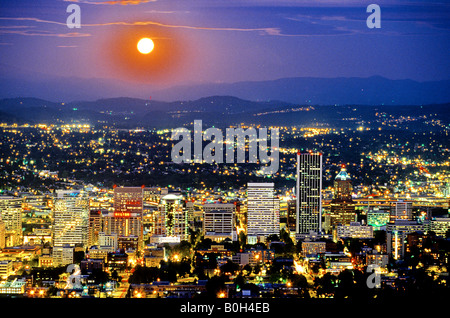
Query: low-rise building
pixel 6 268
pixel 313 247
pixel 354 230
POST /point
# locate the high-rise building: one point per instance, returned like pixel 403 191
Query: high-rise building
pixel 342 207
pixel 95 226
pixel 291 215
pixel 401 210
pixel 2 234
pixel 263 211
pixel 126 218
pixel 218 221
pixel 70 227
pixel 171 218
pixel 309 193
pixel 11 214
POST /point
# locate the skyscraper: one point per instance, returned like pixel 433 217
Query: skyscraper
pixel 126 218
pixel 70 228
pixel 309 192
pixel 263 211
pixel 171 218
pixel 94 226
pixel 11 214
pixel 342 207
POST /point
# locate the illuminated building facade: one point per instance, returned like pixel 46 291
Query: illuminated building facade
pixel 401 210
pixel 309 193
pixel 70 228
pixel 218 221
pixel 95 226
pixel 126 218
pixel 171 217
pixel 354 230
pixel 440 225
pixel 11 215
pixel 263 211
pixel 342 207
pixel 396 233
pixel 378 218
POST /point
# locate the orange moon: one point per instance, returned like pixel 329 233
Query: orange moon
pixel 145 45
pixel 168 61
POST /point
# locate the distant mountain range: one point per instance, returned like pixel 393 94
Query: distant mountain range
pixel 219 111
pixel 373 90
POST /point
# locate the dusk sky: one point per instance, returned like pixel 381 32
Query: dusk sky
pixel 200 41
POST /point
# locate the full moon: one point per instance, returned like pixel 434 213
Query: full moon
pixel 145 45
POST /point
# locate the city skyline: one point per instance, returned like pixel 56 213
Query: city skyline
pixel 116 181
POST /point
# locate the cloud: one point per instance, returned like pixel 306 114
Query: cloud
pixel 268 31
pixel 44 33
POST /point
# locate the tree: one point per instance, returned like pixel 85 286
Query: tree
pixel 229 267
pixel 183 249
pixel 247 269
pixel 214 286
pixel 242 239
pixel 239 281
pixel 285 237
pixel 99 276
pixel 299 281
pixel 326 284
pixel 272 238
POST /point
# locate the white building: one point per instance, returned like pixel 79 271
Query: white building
pixel 263 211
pixel 171 219
pixel 70 228
pixel 6 268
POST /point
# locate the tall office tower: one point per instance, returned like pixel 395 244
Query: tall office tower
pixel 401 210
pixel 263 211
pixel 309 193
pixel 291 215
pixel 218 221
pixel 2 234
pixel 126 218
pixel 342 207
pixel 95 226
pixel 70 223
pixel 11 214
pixel 171 218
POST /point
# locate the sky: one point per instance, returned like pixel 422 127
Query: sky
pixel 223 41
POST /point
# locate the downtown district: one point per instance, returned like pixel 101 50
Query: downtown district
pixel 314 240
